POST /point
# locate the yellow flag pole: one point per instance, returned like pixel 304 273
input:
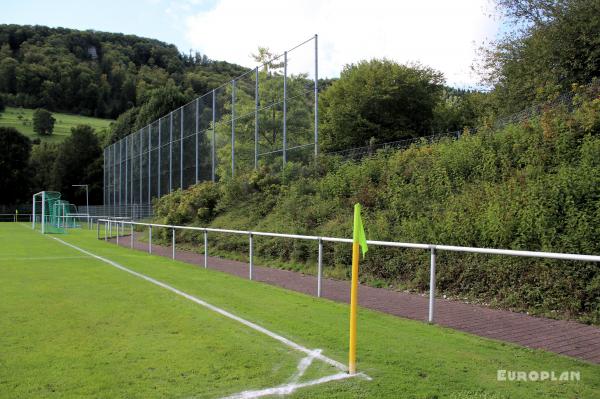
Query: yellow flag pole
pixel 353 308
pixel 358 240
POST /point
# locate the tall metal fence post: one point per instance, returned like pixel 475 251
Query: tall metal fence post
pixel 131 235
pixel 126 171
pixel 181 148
pixel 150 239
pixel 214 136
pixel 251 255
pixel 173 243
pixel 159 150
pixel 284 108
pixel 196 128
pixel 171 152
pixel 320 267
pixel 205 249
pixel 432 285
pixel 120 142
pixel 316 96
pixel 256 105
pixel 150 163
pixel 141 164
pixel 233 128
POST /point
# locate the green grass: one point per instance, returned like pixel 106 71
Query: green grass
pixel 79 327
pixel 62 127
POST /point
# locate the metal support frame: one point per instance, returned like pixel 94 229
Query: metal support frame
pixel 159 177
pixel 233 128
pixel 196 149
pixel 120 169
pixel 131 180
pixel 126 170
pixel 121 181
pixel 173 244
pixel 432 248
pixel 431 285
pixel 256 105
pixel 114 177
pixel 251 257
pixel 171 152
pixel 149 164
pixel 320 267
pixel 284 108
pixel 205 249
pixel 141 163
pixel 316 96
pixel 214 136
pixel 181 148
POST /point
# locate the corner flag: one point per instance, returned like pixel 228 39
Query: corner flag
pixel 358 240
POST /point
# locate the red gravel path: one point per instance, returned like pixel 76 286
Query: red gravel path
pixel 564 337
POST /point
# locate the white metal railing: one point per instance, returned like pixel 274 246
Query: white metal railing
pixel 15 217
pixel 120 227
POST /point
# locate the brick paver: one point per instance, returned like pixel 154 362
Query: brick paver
pixel 564 337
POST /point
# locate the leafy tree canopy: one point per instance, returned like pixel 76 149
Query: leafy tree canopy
pixel 554 44
pixel 43 122
pixel 14 159
pixel 378 99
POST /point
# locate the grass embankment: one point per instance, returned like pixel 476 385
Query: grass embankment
pixel 78 326
pixel 22 120
pixel 534 185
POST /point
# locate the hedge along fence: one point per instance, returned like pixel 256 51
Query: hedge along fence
pixel 534 186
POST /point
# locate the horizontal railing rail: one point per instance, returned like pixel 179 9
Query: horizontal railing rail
pixel 119 225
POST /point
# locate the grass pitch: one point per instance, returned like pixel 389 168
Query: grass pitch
pixel 73 326
pixel 22 120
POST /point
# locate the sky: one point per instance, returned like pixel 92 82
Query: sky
pixel 441 34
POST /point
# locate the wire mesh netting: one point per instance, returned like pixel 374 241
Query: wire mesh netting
pixel 262 118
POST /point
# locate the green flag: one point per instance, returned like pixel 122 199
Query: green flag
pixel 359 231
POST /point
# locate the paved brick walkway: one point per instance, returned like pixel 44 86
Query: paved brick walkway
pixel 564 337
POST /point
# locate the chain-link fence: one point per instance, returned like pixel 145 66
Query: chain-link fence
pixel 267 116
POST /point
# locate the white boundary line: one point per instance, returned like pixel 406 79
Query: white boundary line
pixel 278 390
pixel 225 313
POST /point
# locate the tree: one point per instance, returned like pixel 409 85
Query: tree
pixel 14 157
pixel 41 163
pixel 378 99
pixel 553 45
pixel 76 163
pixel 43 122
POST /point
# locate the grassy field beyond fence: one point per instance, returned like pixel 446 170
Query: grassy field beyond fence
pixel 22 120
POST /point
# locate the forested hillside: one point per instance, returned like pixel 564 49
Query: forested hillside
pixel 96 73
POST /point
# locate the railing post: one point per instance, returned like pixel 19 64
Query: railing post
pixel 319 267
pixel 110 228
pixel 98 230
pixel 118 225
pixel 150 239
pixel 105 231
pixel 205 249
pixel 251 262
pixel 173 243
pixel 432 285
pixel 131 235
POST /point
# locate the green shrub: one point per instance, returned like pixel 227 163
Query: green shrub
pixel 533 185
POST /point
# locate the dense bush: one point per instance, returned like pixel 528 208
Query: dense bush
pixel 534 185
